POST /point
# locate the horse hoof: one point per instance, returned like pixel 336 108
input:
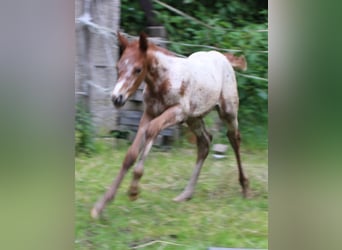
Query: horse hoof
pixel 182 197
pixel 94 213
pixel 133 194
pixel 133 197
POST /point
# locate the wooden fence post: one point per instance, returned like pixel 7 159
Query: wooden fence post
pixel 83 45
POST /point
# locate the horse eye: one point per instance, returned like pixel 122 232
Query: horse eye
pixel 137 70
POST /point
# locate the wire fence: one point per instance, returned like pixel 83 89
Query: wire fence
pixel 106 32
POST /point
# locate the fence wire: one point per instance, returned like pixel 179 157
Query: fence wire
pixel 85 20
pixel 181 13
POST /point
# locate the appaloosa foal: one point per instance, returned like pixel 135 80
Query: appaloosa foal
pixel 177 90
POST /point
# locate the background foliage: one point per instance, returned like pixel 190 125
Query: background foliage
pixel 235 25
pixel 84 131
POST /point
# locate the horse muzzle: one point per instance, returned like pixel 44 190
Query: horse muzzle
pixel 118 101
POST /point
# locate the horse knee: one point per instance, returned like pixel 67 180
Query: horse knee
pixel 130 158
pixel 151 132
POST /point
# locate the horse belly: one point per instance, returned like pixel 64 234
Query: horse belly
pixel 204 95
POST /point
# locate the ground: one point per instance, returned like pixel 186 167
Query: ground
pixel 216 216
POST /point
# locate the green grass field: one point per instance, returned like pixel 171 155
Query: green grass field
pixel 216 216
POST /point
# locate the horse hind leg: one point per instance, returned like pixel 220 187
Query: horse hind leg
pixel 203 142
pixel 234 138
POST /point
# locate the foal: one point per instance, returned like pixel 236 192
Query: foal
pixel 177 90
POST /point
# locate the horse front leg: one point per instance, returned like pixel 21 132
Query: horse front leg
pixel 129 160
pixel 168 118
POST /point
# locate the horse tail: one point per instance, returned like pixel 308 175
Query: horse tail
pixel 238 62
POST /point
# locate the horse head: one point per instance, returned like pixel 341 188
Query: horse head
pixel 131 68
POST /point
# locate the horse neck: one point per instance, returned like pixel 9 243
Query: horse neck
pixel 159 68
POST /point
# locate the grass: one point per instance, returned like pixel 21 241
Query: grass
pixel 216 216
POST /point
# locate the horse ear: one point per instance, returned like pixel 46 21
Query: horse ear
pixel 123 42
pixel 143 42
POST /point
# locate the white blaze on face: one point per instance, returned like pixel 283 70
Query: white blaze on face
pixel 118 89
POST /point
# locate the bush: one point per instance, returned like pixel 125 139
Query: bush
pixel 84 132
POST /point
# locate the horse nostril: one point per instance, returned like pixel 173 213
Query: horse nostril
pixel 113 99
pixel 117 101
